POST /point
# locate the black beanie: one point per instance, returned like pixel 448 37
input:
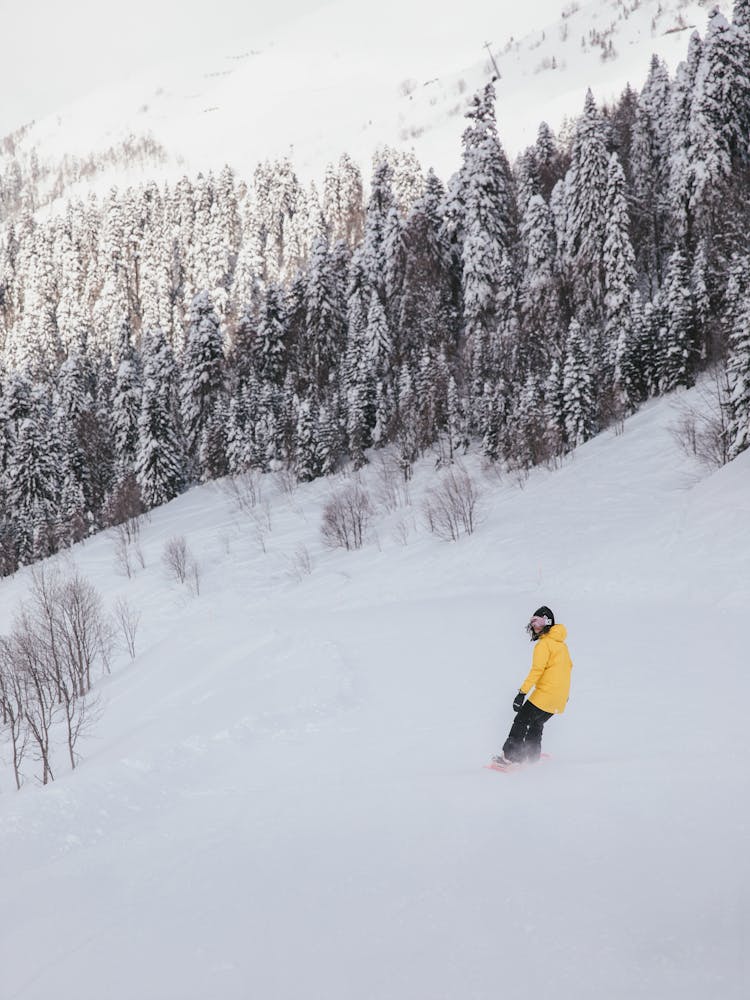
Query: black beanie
pixel 544 612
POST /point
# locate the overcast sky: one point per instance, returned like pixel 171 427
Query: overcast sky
pixel 55 51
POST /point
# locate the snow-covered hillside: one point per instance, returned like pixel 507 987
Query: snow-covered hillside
pixel 334 81
pixel 284 794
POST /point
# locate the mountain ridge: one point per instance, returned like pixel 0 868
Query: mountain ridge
pixel 198 119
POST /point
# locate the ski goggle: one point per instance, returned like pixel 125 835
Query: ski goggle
pixel 539 621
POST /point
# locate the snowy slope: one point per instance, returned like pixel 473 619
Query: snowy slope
pixel 340 80
pixel 284 796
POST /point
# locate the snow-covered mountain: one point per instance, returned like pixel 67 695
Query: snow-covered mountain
pixel 337 81
pixel 283 795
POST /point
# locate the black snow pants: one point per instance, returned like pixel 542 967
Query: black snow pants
pixel 524 741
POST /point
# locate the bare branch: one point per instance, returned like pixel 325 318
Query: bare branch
pixel 128 619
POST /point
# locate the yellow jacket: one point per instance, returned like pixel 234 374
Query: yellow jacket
pixel 550 671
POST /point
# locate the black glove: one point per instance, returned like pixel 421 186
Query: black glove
pixel 518 701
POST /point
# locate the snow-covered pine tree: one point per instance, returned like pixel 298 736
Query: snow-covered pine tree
pixel 324 322
pixel 406 431
pixel 491 413
pixel 489 216
pixel 394 259
pixel 548 161
pixel 456 435
pixel 306 456
pixel 71 304
pixel 681 169
pixel 357 384
pixel 677 354
pixel 408 179
pixel 430 383
pixel 33 485
pixel 719 118
pixel 378 339
pixel 227 232
pixel 17 400
pixel 202 371
pixel 649 166
pixel 579 405
pixel 212 453
pixel 266 450
pixel 237 443
pixel 739 383
pixel 741 29
pixel 351 209
pixel 539 243
pixel 270 346
pixel 652 342
pixel 126 402
pixel 630 373
pixel 702 311
pixel 38 348
pixel 112 304
pixel 378 208
pixel 159 464
pixel 71 521
pixel 735 295
pixel 88 430
pixel 540 308
pixel 358 293
pixel 315 228
pixel 329 438
pixel 527 178
pixel 622 122
pixel 358 422
pixel 619 264
pixel 586 188
pixel 428 291
pixel 528 444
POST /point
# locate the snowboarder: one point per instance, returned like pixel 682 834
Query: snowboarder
pixel 550 679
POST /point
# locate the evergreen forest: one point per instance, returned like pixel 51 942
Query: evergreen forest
pixel 170 334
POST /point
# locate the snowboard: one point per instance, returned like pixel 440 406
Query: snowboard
pixel 508 768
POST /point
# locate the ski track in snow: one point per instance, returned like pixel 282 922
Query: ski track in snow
pixel 284 794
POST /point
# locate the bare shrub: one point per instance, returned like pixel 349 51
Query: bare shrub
pixel 260 538
pixel 85 631
pixel 391 490
pixel 128 549
pixel 12 708
pixel 193 577
pixel 245 490
pixel 702 430
pixel 124 506
pixel 263 516
pixel 123 562
pixel 41 697
pixel 346 517
pixel 300 563
pixel 286 481
pixel 401 531
pixel 139 556
pixel 175 558
pixel 612 410
pixel 450 508
pixel 127 619
pixel 47 662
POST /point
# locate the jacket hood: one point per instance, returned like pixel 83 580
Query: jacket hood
pixel 558 633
